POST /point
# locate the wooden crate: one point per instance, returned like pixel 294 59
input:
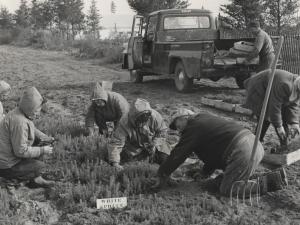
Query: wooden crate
pixel 284 159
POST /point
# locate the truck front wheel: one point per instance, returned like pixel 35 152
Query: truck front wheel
pixel 136 76
pixel 182 82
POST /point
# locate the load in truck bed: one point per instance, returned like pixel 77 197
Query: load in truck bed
pixel 235 55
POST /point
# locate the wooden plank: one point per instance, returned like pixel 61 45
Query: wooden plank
pixel 225 106
pixel 241 110
pixel 219 104
pixel 285 159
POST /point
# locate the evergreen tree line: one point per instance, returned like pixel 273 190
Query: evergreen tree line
pixel 280 15
pixel 64 16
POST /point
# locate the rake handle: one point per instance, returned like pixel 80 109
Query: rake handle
pixel 265 102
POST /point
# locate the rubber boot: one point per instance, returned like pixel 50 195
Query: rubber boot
pixel 273 181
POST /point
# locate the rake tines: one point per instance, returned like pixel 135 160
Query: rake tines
pixel 247 191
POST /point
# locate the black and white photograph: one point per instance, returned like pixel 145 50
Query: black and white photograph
pixel 149 112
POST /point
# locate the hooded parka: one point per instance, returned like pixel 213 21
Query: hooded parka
pixel 115 109
pixel 153 133
pixel 17 131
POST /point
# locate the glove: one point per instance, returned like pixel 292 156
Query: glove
pixel 294 130
pixel 151 152
pixel 281 133
pixel 159 183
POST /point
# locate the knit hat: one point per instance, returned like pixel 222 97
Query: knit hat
pixel 4 87
pixel 30 101
pixel 99 93
pixel 179 113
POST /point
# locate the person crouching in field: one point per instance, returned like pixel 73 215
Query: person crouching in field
pixel 139 136
pixel 283 105
pixel 4 91
pixel 107 106
pixel 220 144
pixel 18 156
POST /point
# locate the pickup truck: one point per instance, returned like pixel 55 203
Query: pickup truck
pixel 183 43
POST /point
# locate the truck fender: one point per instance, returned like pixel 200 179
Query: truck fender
pixel 190 59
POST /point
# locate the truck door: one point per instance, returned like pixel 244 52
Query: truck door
pixel 135 44
pixel 149 45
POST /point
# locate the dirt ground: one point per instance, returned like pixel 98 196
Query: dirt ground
pixel 66 82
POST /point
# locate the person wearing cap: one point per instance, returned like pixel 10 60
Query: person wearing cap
pixel 4 91
pixel 220 144
pixel 18 156
pixel 263 47
pixel 142 135
pixel 107 106
pixel 283 105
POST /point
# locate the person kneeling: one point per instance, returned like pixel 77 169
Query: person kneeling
pixel 142 134
pixel 220 144
pixel 17 136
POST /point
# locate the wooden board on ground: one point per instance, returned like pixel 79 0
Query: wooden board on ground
pixel 219 104
pixel 284 159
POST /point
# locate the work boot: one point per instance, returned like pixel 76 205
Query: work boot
pixel 273 181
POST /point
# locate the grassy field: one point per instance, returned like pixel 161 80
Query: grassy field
pixel 83 176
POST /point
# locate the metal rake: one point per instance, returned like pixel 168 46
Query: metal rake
pixel 245 183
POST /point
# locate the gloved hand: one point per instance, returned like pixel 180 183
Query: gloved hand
pixel 281 133
pixel 294 130
pixel 159 183
pixel 88 131
pixel 151 152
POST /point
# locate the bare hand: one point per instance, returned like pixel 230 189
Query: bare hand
pixel 281 133
pixel 48 150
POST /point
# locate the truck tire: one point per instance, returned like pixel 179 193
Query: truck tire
pixel 182 82
pixel 136 76
pixel 239 79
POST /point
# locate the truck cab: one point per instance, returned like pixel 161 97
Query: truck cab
pixel 182 43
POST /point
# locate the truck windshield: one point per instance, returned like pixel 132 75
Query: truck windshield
pixel 186 22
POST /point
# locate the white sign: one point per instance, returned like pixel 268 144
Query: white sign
pixel 110 203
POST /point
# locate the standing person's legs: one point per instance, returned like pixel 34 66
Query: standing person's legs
pixel 238 168
pixel 264 130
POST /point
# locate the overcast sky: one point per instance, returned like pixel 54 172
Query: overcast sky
pixel 122 6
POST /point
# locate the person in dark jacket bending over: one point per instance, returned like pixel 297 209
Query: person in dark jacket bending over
pixel 263 47
pixel 107 106
pixel 220 144
pixel 283 106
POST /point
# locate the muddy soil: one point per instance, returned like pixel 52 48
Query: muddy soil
pixel 66 82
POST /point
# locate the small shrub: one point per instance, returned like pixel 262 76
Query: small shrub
pixel 6 37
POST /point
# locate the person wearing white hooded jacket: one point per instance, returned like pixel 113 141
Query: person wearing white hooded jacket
pixel 18 158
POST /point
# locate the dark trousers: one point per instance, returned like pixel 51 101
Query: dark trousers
pixel 26 169
pixel 265 62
